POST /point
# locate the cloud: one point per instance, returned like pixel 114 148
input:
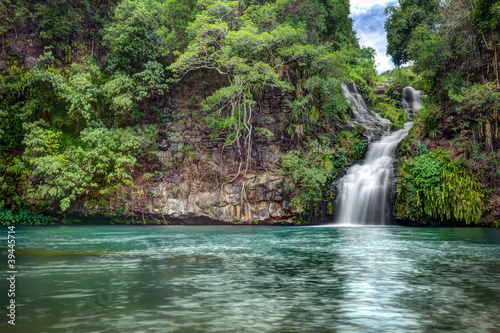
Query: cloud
pixel 359 6
pixel 368 23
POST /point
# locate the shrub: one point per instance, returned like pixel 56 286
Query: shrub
pixel 435 186
pixel 316 167
pixel 105 161
pixel 23 217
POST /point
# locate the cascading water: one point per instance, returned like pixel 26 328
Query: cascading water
pixel 365 191
pixel 411 101
pixel 375 125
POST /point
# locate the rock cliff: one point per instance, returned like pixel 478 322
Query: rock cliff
pixel 193 185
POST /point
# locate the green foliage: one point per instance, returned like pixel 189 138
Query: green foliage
pixel 132 36
pixel 429 117
pixel 323 20
pixel 105 162
pixel 12 170
pixel 316 166
pixel 425 172
pixel 128 93
pixel 481 102
pixel 324 97
pixel 69 99
pixel 402 20
pixel 150 82
pixel 23 217
pixel 434 185
pixel 10 102
pixel 486 15
pixel 274 45
pixel 479 98
pixel 451 43
pixel 12 13
pixel 143 31
pixel 398 78
pixel 310 177
pixel 57 115
pixel 59 22
pixel 391 110
pixel 175 17
pixel 62 24
pixel 428 49
pixel 225 40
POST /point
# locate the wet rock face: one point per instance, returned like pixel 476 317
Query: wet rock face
pixel 206 179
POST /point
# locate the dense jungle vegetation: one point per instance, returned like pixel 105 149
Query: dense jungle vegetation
pixel 79 123
pixel 451 162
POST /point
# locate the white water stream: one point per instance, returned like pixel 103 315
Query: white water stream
pixel 365 191
pixel 412 101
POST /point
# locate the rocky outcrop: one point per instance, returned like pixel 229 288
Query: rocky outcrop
pixel 492 209
pixel 246 200
pixel 204 178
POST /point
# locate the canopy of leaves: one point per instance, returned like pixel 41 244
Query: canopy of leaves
pixel 143 31
pixel 402 20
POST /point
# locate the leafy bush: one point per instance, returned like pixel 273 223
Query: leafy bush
pixel 63 24
pixel 23 217
pixel 132 36
pixel 435 186
pixel 402 20
pixel 314 169
pixel 143 31
pixel 479 98
pixel 59 21
pixel 12 170
pixel 105 162
pixel 481 101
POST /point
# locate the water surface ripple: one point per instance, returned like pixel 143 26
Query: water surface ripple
pixel 255 279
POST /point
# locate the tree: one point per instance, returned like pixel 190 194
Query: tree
pixel 105 161
pixel 150 30
pixel 228 42
pixel 402 20
pixel 132 37
pixel 486 17
pixel 62 24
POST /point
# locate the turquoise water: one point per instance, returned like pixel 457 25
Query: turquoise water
pixel 254 279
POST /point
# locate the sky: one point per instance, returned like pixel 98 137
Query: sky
pixel 369 18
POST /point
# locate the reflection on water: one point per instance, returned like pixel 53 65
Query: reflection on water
pixel 255 279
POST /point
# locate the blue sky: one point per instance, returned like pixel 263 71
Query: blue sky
pixel 369 21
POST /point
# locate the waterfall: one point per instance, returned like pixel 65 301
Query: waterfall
pixel 375 125
pixel 411 101
pixel 365 191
